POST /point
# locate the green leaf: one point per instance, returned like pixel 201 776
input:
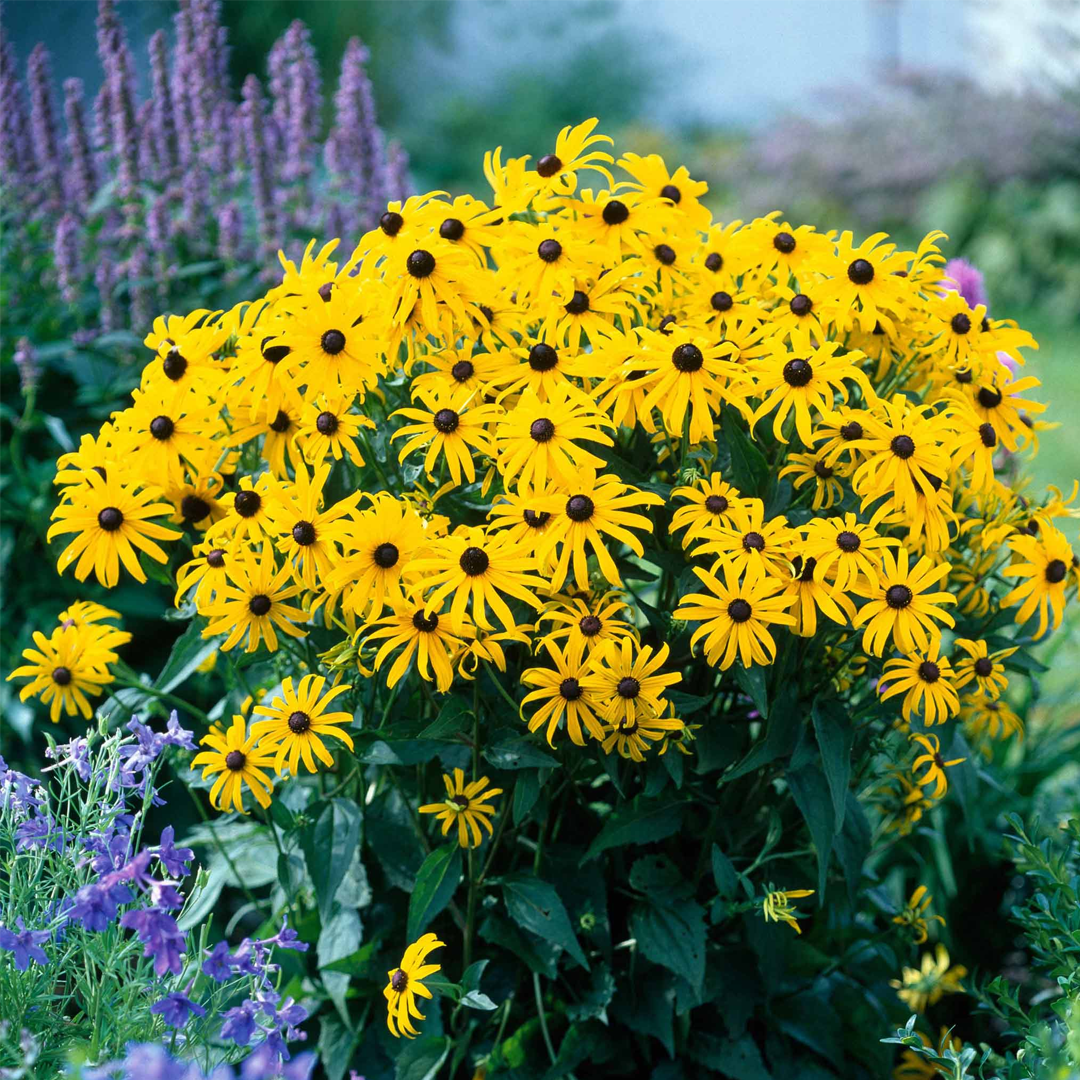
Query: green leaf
pixel 642 822
pixel 476 1000
pixel 526 792
pixel 853 844
pixel 835 736
pixel 727 880
pixel 336 1042
pixel 422 1059
pixel 340 937
pixel 751 681
pixel 535 906
pixel 780 738
pixel 537 955
pixel 519 754
pixel 671 933
pixel 435 884
pixel 470 980
pixel 749 469
pixel 810 790
pixel 189 650
pixel 739 1060
pixel 452 719
pixel 329 845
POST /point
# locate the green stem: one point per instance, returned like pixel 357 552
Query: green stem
pixel 543 1017
pixel 502 690
pixel 171 698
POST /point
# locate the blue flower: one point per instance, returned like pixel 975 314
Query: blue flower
pixel 26 944
pixel 218 964
pixel 41 831
pixel 95 906
pixel 163 938
pixel 240 1023
pixel 175 735
pixel 174 859
pixel 287 938
pixel 177 1009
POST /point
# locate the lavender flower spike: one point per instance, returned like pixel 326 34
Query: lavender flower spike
pixel 42 121
pixel 66 255
pixel 81 174
pixel 962 277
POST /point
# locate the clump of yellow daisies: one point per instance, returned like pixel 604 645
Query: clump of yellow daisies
pixel 457 436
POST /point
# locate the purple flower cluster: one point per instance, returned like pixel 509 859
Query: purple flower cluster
pixel 150 1061
pixel 194 174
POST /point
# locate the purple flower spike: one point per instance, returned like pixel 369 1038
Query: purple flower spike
pixel 962 277
pixel 25 945
pixel 164 941
pixel 177 1009
pixel 174 859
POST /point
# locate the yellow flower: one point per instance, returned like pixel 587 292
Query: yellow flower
pixel 735 619
pixel 466 804
pixel 406 983
pixel 914 915
pixel 927 682
pixel 206 574
pixel 111 520
pixel 556 173
pixel 934 764
pixel 63 669
pixel 902 607
pixel 983 667
pixel 777 906
pixel 327 427
pixel 994 718
pixel 680 193
pixel 918 989
pixel 250 517
pixel 810 592
pixel 564 694
pixel 846 550
pixel 627 680
pixel 826 478
pixel 866 288
pixel 234 755
pixel 425 635
pixel 631 736
pixel 297 721
pixel 713 504
pixel 586 622
pixel 1044 562
pixel 750 540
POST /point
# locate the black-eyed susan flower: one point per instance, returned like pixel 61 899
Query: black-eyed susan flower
pixel 677 189
pixel 994 719
pixel 927 682
pixel 407 983
pixel 468 224
pixel 238 762
pixel 595 307
pixel 487 648
pixel 736 614
pixel 926 985
pixel 250 514
pixel 1043 562
pixel 776 247
pixel 65 670
pixel 197 500
pixel 838 435
pixel 986 669
pixel 777 906
pixel 204 576
pixel 566 699
pixel 933 764
pixel 467 806
pixel 454 370
pixel 418 633
pixel 914 915
pixel 582 514
pixel 815 469
pixel 750 540
pixel 713 503
pixel 434 278
pixel 633 737
pixel 541 440
pixel 328 428
pixel 575 150
pixel 450 426
pixel 789 383
pixel 628 680
pixel 298 722
pixel 536 365
pixel 811 592
pixel 280 432
pixel 997 402
pixel 253 604
pixel 587 621
pixel 111 520
pixel 901 605
pixel 866 287
pixel 846 550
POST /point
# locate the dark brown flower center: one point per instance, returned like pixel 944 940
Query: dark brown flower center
pixel 848 541
pixel 474 561
pixel 281 422
pixel 851 431
pixel 549 165
pixel 714 261
pixel 235 760
pixel 1055 571
pixel 988 436
pixel 929 671
pixel 274 354
pixel 162 427
pixel 549 250
pixel 665 254
pixel 670 191
pixel 174 364
pixel 259 605
pixel 303 532
pixel 984 667
pixel 391 223
pixel 960 323
pixel 800 304
pixel 192 508
pixel 61 676
pixel 570 689
pixel 721 301
pixel 989 398
pixel 110 519
pixel 452 229
pixel 687 358
pixel 860 272
pixel 964 376
pixel 425 623
pixel 822 471
pixel 542 430
pixel 590 625
pixel 753 541
pixel 462 371
pixel 579 303
pixel 333 342
pixel 398 981
pixel 386 555
pixel 445 421
pixel 716 504
pixel 903 446
pixel 739 610
pixel 299 722
pixel 784 242
pixel 798 372
pixel 247 503
pixel 542 357
pixel 215 558
pixel 615 212
pixel 898 596
pixel 579 508
pixel 325 289
pixel 628 687
pixel 420 264
pixel 326 423
pixel 535 519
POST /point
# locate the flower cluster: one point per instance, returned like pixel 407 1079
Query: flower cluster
pixel 131 193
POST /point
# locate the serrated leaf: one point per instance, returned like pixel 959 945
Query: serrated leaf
pixel 641 822
pixel 453 718
pixel 671 933
pixel 436 881
pixel 535 906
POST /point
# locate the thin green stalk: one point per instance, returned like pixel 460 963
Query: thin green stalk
pixel 543 1017
pixel 162 695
